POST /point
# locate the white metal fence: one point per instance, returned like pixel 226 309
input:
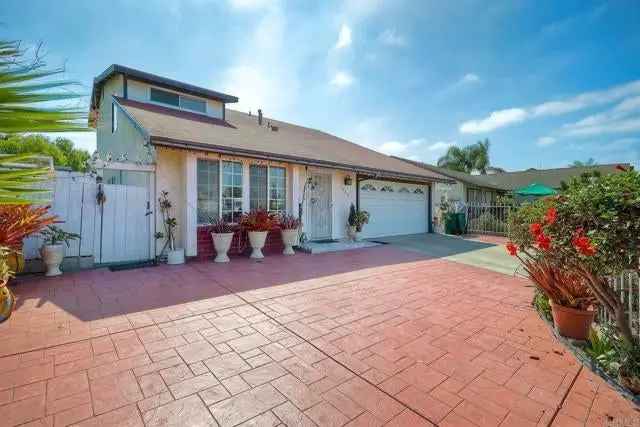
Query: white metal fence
pixel 488 218
pixel 627 286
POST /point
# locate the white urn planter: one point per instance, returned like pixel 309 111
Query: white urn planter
pixel 222 243
pixel 352 231
pixel 257 239
pixel 52 256
pixel 175 256
pixel 290 239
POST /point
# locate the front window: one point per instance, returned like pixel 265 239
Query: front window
pixel 277 190
pixel 208 190
pixel 257 187
pixel 231 191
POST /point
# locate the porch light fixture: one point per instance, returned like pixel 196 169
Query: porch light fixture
pixel 348 181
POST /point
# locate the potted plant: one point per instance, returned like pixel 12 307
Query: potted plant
pixel 357 219
pixel 16 223
pixel 52 251
pixel 258 223
pixel 7 299
pixel 289 228
pixel 174 255
pixel 222 235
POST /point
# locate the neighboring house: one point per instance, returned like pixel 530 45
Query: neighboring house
pixel 485 189
pixel 216 162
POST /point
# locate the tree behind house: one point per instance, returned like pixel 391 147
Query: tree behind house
pixel 474 157
pixel 61 150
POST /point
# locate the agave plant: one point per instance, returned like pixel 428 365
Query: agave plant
pixel 24 83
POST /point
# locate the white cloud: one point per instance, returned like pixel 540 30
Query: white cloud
pixel 391 38
pixel 258 76
pixel 616 126
pixel 342 79
pixel 344 37
pixel 441 146
pixel 546 141
pixel 415 149
pixel 501 118
pixel 469 78
pixel 250 4
pixel 624 117
pixel 496 120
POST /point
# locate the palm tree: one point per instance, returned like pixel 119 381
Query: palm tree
pixel 23 85
pixel 474 157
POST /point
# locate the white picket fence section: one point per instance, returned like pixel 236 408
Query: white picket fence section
pixel 627 286
pixel 120 230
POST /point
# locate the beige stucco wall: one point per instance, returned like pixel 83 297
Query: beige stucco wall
pixel 170 176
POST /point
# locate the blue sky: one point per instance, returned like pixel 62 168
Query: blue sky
pixel 547 82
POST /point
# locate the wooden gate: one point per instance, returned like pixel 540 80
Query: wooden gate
pixel 118 230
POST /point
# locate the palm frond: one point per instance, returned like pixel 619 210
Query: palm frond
pixel 24 85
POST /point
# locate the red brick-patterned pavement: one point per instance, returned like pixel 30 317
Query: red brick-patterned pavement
pixel 371 337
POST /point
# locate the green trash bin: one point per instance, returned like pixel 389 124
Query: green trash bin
pixel 450 224
pixel 461 220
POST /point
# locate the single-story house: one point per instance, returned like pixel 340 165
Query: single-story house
pixel 485 189
pixel 218 162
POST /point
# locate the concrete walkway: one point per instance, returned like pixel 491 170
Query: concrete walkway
pixel 369 337
pixel 471 252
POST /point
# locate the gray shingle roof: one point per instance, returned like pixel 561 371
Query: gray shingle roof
pixel 241 134
pixel 508 181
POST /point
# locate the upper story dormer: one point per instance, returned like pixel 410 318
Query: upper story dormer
pixel 141 86
pixel 116 133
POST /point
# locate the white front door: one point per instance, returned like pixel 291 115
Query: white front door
pixel 320 206
pixel 394 208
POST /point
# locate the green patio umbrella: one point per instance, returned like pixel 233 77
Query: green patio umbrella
pixel 535 189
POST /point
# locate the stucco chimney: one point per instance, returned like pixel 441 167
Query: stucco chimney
pixel 259 116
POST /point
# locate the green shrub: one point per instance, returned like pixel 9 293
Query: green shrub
pixel 541 304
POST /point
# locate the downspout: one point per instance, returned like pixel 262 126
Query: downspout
pixel 429 213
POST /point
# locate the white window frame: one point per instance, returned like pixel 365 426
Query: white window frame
pixel 233 198
pixel 180 96
pixel 114 117
pixel 284 210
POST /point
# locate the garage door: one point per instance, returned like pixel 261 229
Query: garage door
pixel 395 208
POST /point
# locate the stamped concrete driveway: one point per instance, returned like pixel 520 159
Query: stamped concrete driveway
pixel 378 336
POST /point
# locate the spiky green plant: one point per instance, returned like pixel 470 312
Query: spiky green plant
pixel 24 85
pixel 20 179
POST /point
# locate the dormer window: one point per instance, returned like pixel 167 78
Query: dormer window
pixel 179 101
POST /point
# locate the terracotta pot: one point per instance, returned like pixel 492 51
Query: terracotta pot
pixel 222 243
pixel 572 323
pixel 257 239
pixel 289 239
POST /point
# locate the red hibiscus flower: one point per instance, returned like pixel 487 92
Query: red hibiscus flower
pixel 551 216
pixel 543 241
pixel 583 244
pixel 535 229
pixel 512 249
